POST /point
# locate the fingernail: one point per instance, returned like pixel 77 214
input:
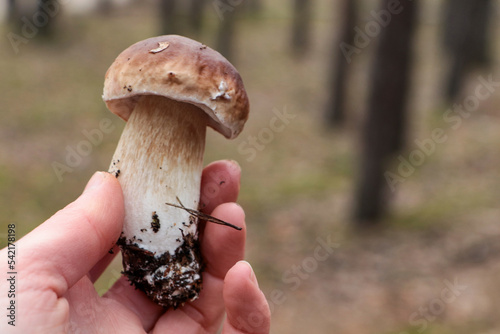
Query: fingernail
pixel 234 162
pixel 251 274
pixel 95 181
pixel 234 165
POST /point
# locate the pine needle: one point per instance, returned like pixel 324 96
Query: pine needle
pixel 202 215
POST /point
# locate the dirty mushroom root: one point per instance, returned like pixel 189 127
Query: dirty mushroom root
pixel 169 279
pixel 168 89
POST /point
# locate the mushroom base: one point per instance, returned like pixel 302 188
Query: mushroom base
pixel 169 280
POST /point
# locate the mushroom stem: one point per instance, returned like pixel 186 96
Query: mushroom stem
pixel 160 158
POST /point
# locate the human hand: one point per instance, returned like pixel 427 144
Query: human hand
pixel 59 261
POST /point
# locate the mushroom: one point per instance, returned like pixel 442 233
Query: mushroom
pixel 168 89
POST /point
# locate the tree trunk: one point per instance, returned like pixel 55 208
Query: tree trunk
pixel 105 7
pixel 168 17
pixel 466 35
pixel 196 15
pixel 226 34
pixel 45 16
pixel 386 114
pixel 12 15
pixel 335 108
pixel 301 27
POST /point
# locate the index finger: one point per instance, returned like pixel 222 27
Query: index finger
pixel 220 183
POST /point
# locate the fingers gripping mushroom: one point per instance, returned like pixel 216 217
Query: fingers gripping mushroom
pixel 168 89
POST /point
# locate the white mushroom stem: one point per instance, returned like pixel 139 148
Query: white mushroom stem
pixel 159 158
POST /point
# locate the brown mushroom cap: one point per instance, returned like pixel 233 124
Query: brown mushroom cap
pixel 181 69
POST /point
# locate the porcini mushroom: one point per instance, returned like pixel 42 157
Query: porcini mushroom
pixel 168 89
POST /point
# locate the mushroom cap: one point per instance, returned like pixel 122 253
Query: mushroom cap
pixel 180 69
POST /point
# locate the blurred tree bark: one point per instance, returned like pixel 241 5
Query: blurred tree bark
pixel 12 15
pixel 196 15
pixel 168 17
pixel 335 107
pixel 385 125
pixel 226 34
pixel 466 35
pixel 301 27
pixel 105 7
pixel 44 17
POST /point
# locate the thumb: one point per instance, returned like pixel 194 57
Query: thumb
pixel 69 243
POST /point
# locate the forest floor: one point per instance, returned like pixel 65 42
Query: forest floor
pixel 434 265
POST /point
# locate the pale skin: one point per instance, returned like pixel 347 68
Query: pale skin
pixel 58 262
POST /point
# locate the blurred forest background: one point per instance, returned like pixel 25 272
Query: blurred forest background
pixel 370 159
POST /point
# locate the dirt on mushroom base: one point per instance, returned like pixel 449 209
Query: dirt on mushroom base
pixel 173 285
